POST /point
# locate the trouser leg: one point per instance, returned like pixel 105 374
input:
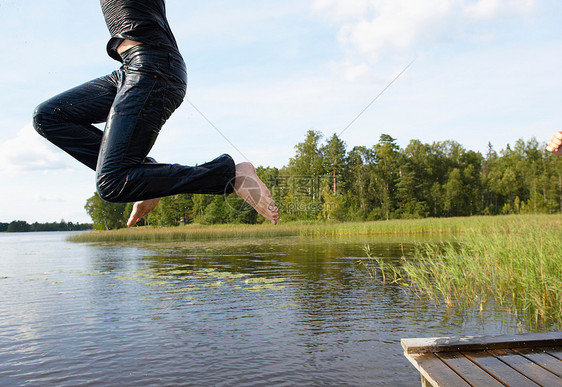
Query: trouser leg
pixel 135 106
pixel 142 104
pixel 66 119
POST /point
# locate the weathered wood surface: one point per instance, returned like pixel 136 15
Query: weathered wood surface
pixel 521 360
pixel 432 369
pixel 476 343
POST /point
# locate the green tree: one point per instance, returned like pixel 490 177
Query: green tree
pixel 238 211
pixel 416 178
pixel 173 211
pixel 362 185
pixel 335 159
pixel 303 176
pixel 19 226
pixel 407 193
pixel 489 198
pixel 553 166
pixel 216 212
pixel 386 171
pixel 200 203
pixel 105 215
pixel 454 194
pixel 308 158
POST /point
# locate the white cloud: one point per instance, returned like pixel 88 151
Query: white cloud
pixel 372 28
pixel 45 198
pixel 483 9
pixel 350 71
pixel 339 10
pixel 488 9
pixel 398 24
pixel 27 152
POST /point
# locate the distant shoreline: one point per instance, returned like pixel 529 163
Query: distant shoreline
pixel 23 226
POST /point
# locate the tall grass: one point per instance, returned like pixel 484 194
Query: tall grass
pixel 518 265
pixel 193 232
pixel 196 232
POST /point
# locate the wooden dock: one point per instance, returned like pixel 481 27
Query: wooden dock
pixel 520 360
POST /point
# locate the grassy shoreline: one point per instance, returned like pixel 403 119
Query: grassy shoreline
pixel 197 232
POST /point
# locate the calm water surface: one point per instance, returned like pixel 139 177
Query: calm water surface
pixel 284 311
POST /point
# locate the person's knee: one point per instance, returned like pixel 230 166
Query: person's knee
pixel 109 188
pixel 43 118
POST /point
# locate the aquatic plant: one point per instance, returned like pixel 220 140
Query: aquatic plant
pixel 518 265
pixel 188 233
pixel 373 265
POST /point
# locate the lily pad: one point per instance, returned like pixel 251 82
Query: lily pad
pixel 157 283
pixel 259 288
pixel 262 280
pixel 179 272
pixel 96 272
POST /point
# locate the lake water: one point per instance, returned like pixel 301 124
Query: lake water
pixel 285 311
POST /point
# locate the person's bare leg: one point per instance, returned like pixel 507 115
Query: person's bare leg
pixel 141 209
pixel 249 187
pixel 554 143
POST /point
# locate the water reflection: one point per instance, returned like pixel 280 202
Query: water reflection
pixel 259 312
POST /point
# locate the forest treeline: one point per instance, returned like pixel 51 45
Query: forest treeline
pixel 23 226
pixel 325 180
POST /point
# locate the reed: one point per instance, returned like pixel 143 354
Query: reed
pixel 518 265
pixel 192 232
pixel 197 232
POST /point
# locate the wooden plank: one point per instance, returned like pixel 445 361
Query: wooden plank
pixel 542 357
pixel 527 367
pixel 462 365
pixel 556 352
pixel 499 369
pixel 469 343
pixel 435 372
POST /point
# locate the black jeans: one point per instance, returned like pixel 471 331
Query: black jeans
pixel 134 101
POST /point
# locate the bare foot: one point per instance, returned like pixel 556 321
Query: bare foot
pixel 554 143
pixel 141 209
pixel 250 188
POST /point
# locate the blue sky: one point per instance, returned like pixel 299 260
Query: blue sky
pixel 264 72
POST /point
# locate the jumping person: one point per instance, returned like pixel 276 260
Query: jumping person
pixel 554 145
pixel 134 102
